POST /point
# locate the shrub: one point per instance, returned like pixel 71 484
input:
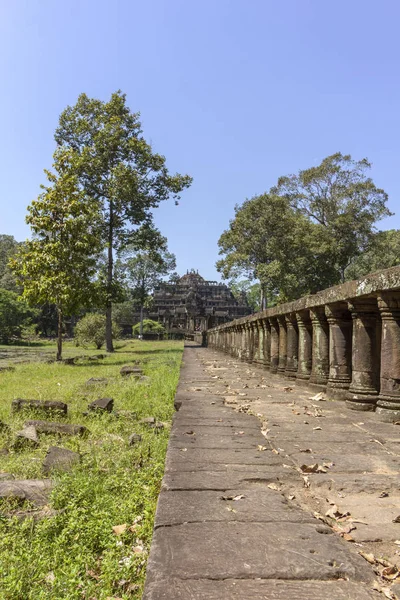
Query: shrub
pixel 91 329
pixel 14 315
pixel 149 326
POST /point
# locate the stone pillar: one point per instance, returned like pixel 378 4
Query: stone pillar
pixel 305 345
pixel 261 333
pixel 292 345
pixel 363 390
pixel 256 340
pixel 388 405
pixel 243 345
pixel 282 344
pixel 320 347
pixel 340 335
pixel 274 345
pixel 250 334
pixel 266 343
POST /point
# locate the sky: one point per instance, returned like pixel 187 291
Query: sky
pixel 235 93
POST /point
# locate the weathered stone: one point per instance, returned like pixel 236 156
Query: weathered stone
pixel 4 368
pixel 134 438
pixel 102 404
pixel 127 371
pixel 127 414
pixel 34 490
pixel 148 421
pixel 69 360
pixel 45 406
pixel 60 428
pixel 6 476
pixel 97 381
pixel 60 459
pixel 26 438
pixel 159 426
pixel 144 379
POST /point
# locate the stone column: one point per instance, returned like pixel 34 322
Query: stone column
pixel 261 333
pixel 320 347
pixel 340 335
pixel 266 343
pixel 282 344
pixel 243 335
pixel 292 345
pixel 305 345
pixel 274 345
pixel 388 405
pixel 250 333
pixel 256 337
pixel 363 390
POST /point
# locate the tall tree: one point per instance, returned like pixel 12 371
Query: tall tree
pixel 8 248
pixel 339 197
pixel 144 269
pixel 59 264
pixel 382 253
pixel 117 168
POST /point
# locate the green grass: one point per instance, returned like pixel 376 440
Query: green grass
pixel 76 554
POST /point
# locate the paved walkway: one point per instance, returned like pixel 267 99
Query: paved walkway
pixel 253 467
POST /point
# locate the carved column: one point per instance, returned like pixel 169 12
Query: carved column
pixel 250 329
pixel 388 405
pixel 274 345
pixel 282 344
pixel 256 342
pixel 260 353
pixel 305 345
pixel 292 345
pixel 266 343
pixel 320 347
pixel 340 335
pixel 363 390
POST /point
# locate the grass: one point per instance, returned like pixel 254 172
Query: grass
pixel 76 554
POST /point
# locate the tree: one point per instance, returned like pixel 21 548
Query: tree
pixel 148 326
pixel 338 196
pixel 144 269
pixel 247 291
pixel 91 329
pixel 383 253
pixel 118 169
pixel 14 315
pixel 270 241
pixel 59 264
pixel 8 248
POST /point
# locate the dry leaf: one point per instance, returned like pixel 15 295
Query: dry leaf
pixel 383 495
pixel 347 537
pixel 390 573
pixel 396 520
pixel 119 529
pixel 261 448
pixel 316 468
pixel 368 557
pixel 230 509
pixel 306 482
pixel 274 486
pixel 291 497
pixel 306 450
pixel 183 449
pixel 317 428
pixel 274 451
pixel 288 389
pixel 318 397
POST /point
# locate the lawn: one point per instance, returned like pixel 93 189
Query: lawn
pixel 76 553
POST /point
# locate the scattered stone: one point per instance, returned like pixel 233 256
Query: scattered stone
pixel 93 358
pixel 177 404
pixel 150 421
pixel 6 476
pixel 127 371
pixel 26 438
pixel 59 459
pixel 158 426
pixel 97 381
pixel 145 379
pixel 7 368
pixel 135 438
pixel 61 428
pixel 69 361
pixel 34 490
pixel 47 406
pixel 103 404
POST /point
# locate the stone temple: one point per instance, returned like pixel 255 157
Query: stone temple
pixel 194 304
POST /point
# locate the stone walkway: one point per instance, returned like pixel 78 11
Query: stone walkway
pixel 254 465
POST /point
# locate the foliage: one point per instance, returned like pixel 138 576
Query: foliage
pixel 303 235
pixel 246 291
pixel 58 265
pixel 117 169
pixel 8 248
pixel 15 314
pixel 149 326
pixel 91 329
pixel 383 253
pixel 339 197
pixel 75 553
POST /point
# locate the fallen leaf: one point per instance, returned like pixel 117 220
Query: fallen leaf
pixel 291 497
pixel 383 495
pixel 306 450
pixel 318 397
pixel 347 537
pixel 234 498
pixel 119 529
pixel 274 451
pixel 397 519
pixel 274 486
pixel 317 428
pixel 390 573
pixel 183 449
pixel 306 482
pixel 368 557
pixel 261 448
pixel 230 509
pixel 288 389
pixel 316 468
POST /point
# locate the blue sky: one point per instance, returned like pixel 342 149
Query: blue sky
pixel 235 93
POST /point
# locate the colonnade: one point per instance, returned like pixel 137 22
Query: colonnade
pixel 348 346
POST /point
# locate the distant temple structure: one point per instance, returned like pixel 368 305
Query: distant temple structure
pixel 194 304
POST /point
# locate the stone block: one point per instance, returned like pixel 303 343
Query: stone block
pixel 60 428
pixel 150 421
pixel 102 404
pixel 128 371
pixel 93 381
pixel 26 438
pixel 59 459
pixel 34 490
pixel 135 438
pixel 44 406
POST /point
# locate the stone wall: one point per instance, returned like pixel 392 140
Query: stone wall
pixel 345 339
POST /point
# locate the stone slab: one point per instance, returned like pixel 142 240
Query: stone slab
pixel 259 589
pixel 257 504
pixel 216 442
pixel 243 551
pixel 50 427
pixel 46 406
pixel 236 476
pixel 34 490
pixel 59 459
pixel 190 458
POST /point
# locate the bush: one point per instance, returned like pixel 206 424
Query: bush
pixel 149 326
pixel 91 329
pixel 14 315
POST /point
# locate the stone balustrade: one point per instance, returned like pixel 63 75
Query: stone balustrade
pixel 345 339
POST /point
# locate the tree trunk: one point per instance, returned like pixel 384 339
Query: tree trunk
pixel 141 322
pixel 59 333
pixel 109 341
